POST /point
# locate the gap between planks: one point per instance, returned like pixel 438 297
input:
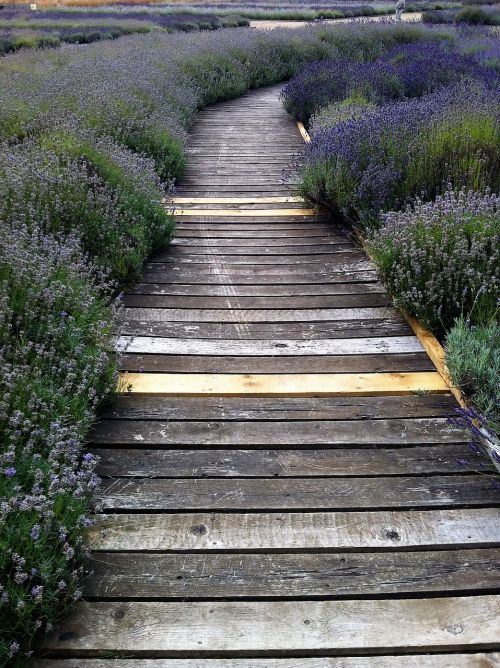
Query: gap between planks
pixel 281 385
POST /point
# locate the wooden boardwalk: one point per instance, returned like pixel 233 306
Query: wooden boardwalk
pixel 281 486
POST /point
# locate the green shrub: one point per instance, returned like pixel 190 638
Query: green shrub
pixel 477 16
pixel 473 359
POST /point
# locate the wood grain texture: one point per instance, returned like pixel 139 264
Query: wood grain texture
pixel 357 531
pixel 134 407
pixel 387 363
pixel 244 494
pixel 248 463
pixel 218 575
pixel 320 432
pixel 303 385
pixel 353 346
pixel 170 629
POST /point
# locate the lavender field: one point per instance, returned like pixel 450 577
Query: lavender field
pixel 405 146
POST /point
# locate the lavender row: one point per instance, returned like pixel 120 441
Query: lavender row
pixel 408 147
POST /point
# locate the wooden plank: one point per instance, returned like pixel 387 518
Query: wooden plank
pixel 257 302
pixel 234 314
pixel 400 363
pixel 310 331
pixel 317 385
pixel 366 626
pixel 320 462
pixel 218 575
pixel 277 247
pixel 135 407
pixel 245 213
pixel 352 346
pixel 235 200
pixel 470 660
pixel 202 261
pixel 270 532
pixel 265 290
pixel 258 276
pixel 308 432
pixel 234 203
pixel 267 494
pixel 252 234
pixel 347 265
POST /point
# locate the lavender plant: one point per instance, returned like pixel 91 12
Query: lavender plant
pixel 322 83
pixel 55 325
pixel 382 160
pixel 405 71
pixel 441 259
pixel 70 183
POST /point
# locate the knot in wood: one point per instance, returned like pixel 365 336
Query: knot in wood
pixel 392 534
pixel 199 529
pixel 455 629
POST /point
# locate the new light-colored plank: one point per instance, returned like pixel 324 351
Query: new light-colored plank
pixel 245 213
pixel 298 531
pixel 279 385
pixel 354 346
pixel 234 200
pixel 167 629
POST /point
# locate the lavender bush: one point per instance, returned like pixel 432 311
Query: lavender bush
pixel 320 84
pixel 21 29
pixel 382 160
pixel 441 259
pixel 67 183
pixel 406 71
pixel 347 110
pixel 55 324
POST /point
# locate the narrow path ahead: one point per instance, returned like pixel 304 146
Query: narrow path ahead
pixel 281 485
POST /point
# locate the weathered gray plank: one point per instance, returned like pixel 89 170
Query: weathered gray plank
pixel 167 629
pixel 256 290
pixel 306 408
pixel 276 302
pixel 303 494
pixel 436 529
pixel 402 362
pixel 204 261
pixel 354 346
pixel 188 463
pixel 303 433
pixel 219 575
pixel 235 314
pixel 269 331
